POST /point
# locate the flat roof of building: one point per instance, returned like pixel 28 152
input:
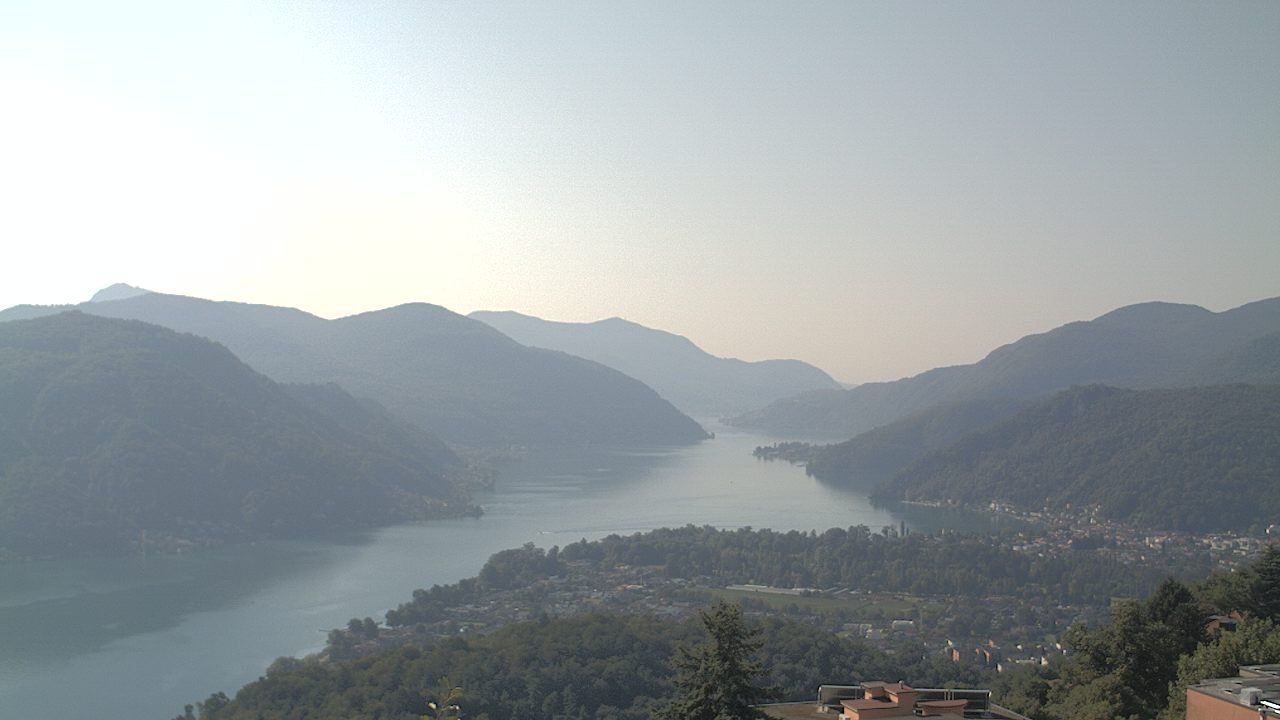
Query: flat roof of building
pixel 810 710
pixel 867 704
pixel 1265 679
pixel 944 703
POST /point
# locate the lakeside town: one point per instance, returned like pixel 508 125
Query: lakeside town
pixel 1059 531
pixel 1053 532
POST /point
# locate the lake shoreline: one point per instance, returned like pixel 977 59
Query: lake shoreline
pixel 103 627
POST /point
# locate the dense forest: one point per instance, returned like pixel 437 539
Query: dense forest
pixel 456 378
pixel 589 666
pixel 950 564
pixel 119 433
pixel 1177 459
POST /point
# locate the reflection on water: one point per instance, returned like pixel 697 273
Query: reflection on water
pixel 140 637
pixel 85 603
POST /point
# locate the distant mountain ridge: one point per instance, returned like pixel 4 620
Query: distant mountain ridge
pixel 693 380
pixel 116 433
pixel 1199 459
pixel 456 378
pixel 1139 346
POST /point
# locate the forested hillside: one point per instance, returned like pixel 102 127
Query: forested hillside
pixel 457 378
pixel 1257 363
pixel 877 455
pixel 1187 459
pixel 949 564
pixel 116 434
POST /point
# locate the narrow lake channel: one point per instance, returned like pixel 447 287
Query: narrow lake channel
pixel 139 637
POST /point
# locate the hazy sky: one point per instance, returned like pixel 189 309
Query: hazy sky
pixel 876 188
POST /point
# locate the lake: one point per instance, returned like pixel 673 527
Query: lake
pixel 139 637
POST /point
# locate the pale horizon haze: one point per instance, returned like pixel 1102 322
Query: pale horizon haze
pixel 878 189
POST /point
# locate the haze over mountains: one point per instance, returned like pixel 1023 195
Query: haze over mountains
pixel 695 381
pixel 469 382
pixel 1139 346
pixel 457 378
pixel 118 432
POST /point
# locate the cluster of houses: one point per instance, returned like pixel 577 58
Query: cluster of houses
pixel 870 631
pixel 991 655
pixel 1072 527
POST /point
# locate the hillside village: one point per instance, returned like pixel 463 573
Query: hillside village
pixel 999 632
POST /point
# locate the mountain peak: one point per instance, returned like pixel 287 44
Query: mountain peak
pixel 683 373
pixel 118 291
pixel 1154 312
pixel 1137 346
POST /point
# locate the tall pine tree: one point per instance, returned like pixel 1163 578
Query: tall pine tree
pixel 715 680
pixel 1267 585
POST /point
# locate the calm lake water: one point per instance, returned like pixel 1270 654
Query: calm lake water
pixel 140 637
